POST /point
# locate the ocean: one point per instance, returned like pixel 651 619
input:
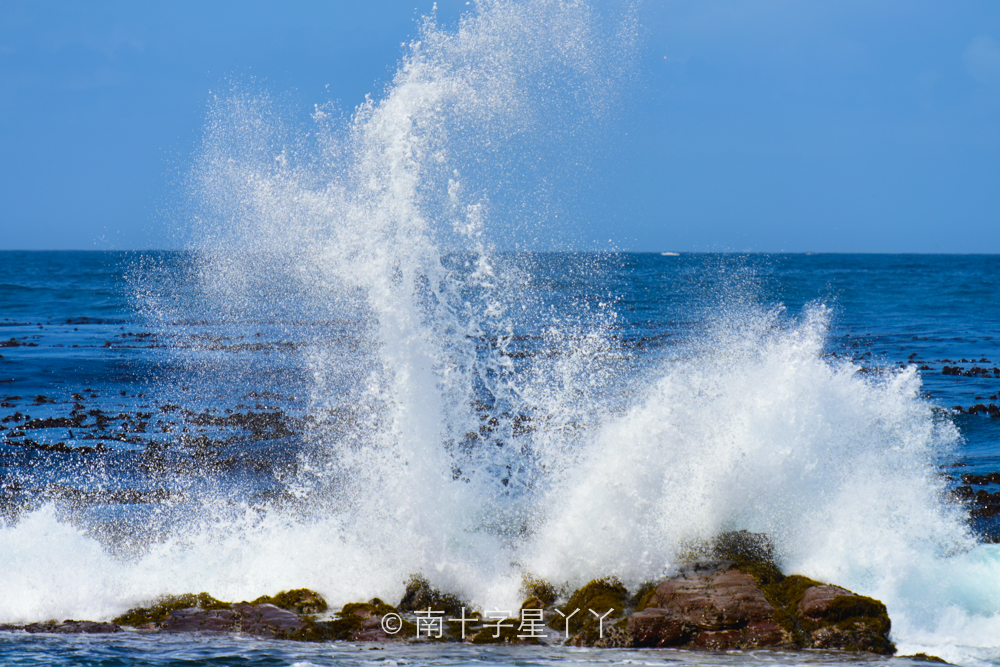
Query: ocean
pixel 157 441
pixel 379 352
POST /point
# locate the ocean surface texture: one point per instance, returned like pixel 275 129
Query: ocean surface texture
pixel 165 430
pixel 367 363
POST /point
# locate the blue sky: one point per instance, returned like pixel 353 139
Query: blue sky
pixel 762 125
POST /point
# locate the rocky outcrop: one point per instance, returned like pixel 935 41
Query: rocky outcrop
pixel 733 596
pixel 357 621
pixel 726 605
pixel 67 627
pixel 262 620
pixel 203 613
pixel 588 617
pixel 709 606
pixel 729 596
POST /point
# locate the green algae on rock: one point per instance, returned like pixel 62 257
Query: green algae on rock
pixel 356 621
pixel 743 601
pixel 538 589
pixel 590 609
pixel 299 600
pixel 732 597
pixel 421 595
pixel 163 606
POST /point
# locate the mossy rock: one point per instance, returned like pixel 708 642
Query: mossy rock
pixel 753 554
pixel 421 595
pixel 466 631
pixel 600 595
pixel 846 607
pixel 375 606
pixel 162 608
pixel 299 600
pixel 350 620
pixel 640 599
pixel 538 589
pixel 338 629
pixel 786 591
pixel 744 546
pixel 851 622
pixel 784 594
pixel 324 631
pixel 616 636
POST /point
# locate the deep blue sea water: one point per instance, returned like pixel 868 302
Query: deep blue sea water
pixel 139 403
pixel 345 380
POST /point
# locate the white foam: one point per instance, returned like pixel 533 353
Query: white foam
pixel 389 221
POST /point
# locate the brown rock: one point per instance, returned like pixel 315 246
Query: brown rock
pixel 834 618
pixel 266 620
pixel 658 628
pixel 816 600
pixel 69 627
pixel 261 620
pixel 371 631
pixel 749 604
pixel 195 619
pixel 709 606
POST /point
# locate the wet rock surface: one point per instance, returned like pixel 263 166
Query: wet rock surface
pixel 739 600
pixel 980 494
pixel 193 619
pixel 731 597
pixel 263 620
pixel 67 627
pixel 719 606
pixel 709 606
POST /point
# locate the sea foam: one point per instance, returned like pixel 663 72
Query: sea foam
pixel 454 448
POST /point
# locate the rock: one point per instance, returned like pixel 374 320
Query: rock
pixel 370 630
pixel 299 600
pixel 69 626
pixel 266 620
pixel 420 595
pixel 816 600
pixel 740 603
pixel 750 604
pixel 982 503
pixel 195 619
pixel 590 610
pixel 981 480
pixel 923 657
pixel 709 606
pixel 259 620
pixel 744 546
pixel 150 617
pixel 729 596
pixel 203 613
pixel 357 621
pixel 538 589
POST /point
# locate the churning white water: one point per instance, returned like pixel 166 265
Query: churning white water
pixel 479 430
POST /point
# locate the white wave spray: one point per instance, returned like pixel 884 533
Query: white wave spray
pixel 443 449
